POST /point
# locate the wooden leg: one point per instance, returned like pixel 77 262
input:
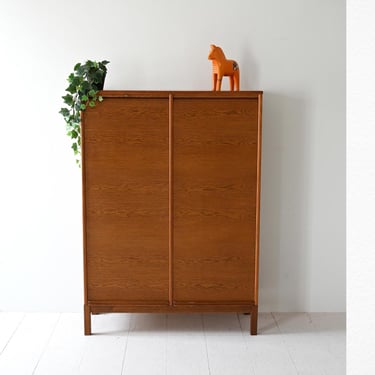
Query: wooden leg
pixel 231 82
pixel 214 81
pixel 237 80
pixel 218 84
pixel 87 320
pixel 254 321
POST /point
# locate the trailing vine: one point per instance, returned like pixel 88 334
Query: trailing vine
pixel 84 85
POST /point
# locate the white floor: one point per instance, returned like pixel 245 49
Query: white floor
pixel 173 344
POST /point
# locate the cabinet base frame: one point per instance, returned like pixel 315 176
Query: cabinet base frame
pixel 251 309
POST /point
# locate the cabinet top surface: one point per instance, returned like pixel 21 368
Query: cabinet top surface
pixel 179 94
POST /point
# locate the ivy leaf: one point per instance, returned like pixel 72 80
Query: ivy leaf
pixel 68 99
pixel 83 107
pixel 100 98
pixel 92 103
pixel 64 111
pixel 84 98
pixel 77 81
pixel 104 62
pixel 70 78
pixel 92 92
pixel 71 88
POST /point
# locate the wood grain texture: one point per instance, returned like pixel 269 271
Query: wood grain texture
pixel 171 197
pixel 257 213
pixel 157 306
pixel 126 178
pixel 215 179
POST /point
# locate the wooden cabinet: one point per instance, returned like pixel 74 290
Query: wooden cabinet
pixel 171 193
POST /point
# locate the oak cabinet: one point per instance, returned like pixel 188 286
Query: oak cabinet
pixel 171 195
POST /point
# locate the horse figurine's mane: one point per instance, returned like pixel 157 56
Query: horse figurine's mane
pixel 222 67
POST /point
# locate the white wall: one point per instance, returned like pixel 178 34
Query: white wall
pixel 294 50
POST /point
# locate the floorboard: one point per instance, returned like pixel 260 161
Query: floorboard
pixel 146 347
pixel 105 349
pixel 65 349
pixel 226 345
pixel 267 350
pixel 169 344
pixel 306 345
pixel 9 322
pixel 186 345
pixel 27 345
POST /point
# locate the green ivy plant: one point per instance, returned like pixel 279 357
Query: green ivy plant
pixel 84 84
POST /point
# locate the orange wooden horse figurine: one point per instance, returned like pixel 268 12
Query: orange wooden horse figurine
pixel 222 67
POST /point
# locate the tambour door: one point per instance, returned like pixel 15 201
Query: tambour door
pixel 125 163
pixel 215 147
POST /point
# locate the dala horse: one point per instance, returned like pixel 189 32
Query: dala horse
pixel 222 67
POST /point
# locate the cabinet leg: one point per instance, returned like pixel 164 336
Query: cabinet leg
pixel 87 320
pixel 254 320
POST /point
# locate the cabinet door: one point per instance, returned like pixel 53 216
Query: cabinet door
pixel 214 199
pixel 126 200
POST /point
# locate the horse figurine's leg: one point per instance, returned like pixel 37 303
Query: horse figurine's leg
pixel 231 82
pixel 218 86
pixel 236 79
pixel 214 81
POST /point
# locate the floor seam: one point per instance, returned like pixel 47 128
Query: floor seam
pixel 205 341
pixel 285 345
pixel 126 346
pixel 13 333
pixel 46 345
